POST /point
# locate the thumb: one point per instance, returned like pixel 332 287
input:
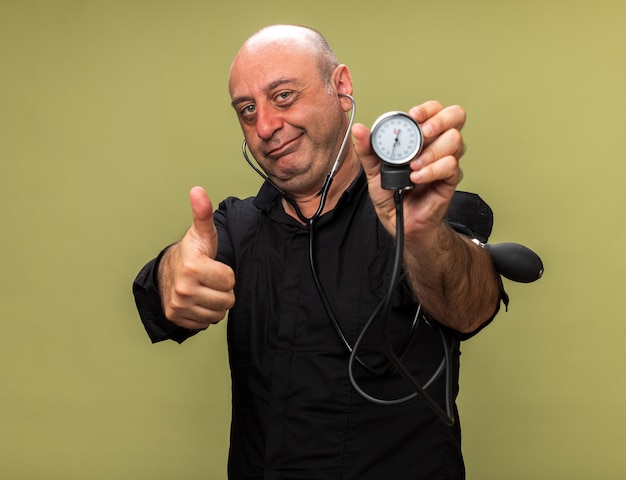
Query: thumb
pixel 203 226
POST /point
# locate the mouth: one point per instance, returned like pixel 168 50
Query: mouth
pixel 285 148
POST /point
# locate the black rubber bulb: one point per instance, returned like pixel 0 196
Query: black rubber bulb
pixel 516 262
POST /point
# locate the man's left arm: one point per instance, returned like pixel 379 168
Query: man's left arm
pixel 454 279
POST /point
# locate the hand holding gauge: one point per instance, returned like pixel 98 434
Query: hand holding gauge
pixel 396 139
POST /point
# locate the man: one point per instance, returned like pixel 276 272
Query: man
pixel 295 413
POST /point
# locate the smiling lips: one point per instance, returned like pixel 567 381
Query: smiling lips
pixel 284 149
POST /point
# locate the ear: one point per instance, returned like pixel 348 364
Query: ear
pixel 342 80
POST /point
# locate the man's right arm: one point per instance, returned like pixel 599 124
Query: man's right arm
pixel 194 290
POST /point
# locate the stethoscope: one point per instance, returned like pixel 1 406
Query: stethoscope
pixel 383 308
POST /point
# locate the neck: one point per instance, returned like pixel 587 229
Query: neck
pixel 308 206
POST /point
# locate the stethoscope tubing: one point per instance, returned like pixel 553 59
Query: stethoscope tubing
pixel 385 305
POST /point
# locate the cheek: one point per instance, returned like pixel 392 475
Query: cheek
pixel 331 130
pixel 247 130
pixel 252 141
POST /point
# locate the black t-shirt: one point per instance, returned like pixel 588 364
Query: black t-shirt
pixel 295 414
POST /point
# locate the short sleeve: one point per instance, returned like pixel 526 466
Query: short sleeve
pixel 470 215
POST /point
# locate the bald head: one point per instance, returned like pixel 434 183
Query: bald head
pixel 290 37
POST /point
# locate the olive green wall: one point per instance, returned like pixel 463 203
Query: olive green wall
pixel 111 110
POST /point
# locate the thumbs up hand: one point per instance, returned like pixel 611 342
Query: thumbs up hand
pixel 196 290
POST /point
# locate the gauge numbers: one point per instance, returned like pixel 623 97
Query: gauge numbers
pixel 396 138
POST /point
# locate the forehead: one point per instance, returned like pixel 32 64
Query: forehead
pixel 261 64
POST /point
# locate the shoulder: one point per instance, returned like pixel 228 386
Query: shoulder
pixel 236 221
pixel 234 212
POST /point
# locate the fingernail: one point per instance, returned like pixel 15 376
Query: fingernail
pixel 416 177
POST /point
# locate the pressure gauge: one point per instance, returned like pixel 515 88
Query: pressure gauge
pixel 396 138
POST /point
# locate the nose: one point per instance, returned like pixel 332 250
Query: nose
pixel 267 122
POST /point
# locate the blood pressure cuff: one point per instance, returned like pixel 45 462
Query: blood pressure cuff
pixel 470 215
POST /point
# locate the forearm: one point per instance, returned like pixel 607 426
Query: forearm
pixel 454 279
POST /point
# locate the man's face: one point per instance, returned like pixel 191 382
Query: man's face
pixel 292 121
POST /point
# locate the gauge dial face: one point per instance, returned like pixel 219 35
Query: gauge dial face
pixel 396 138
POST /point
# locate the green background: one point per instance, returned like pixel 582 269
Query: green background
pixel 110 111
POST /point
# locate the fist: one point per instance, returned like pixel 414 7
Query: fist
pixel 196 290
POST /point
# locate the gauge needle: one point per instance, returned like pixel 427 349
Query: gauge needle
pixel 395 142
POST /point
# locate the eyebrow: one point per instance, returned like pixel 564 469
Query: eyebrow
pixel 270 87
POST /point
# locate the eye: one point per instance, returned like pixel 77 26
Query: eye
pixel 284 98
pixel 248 110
